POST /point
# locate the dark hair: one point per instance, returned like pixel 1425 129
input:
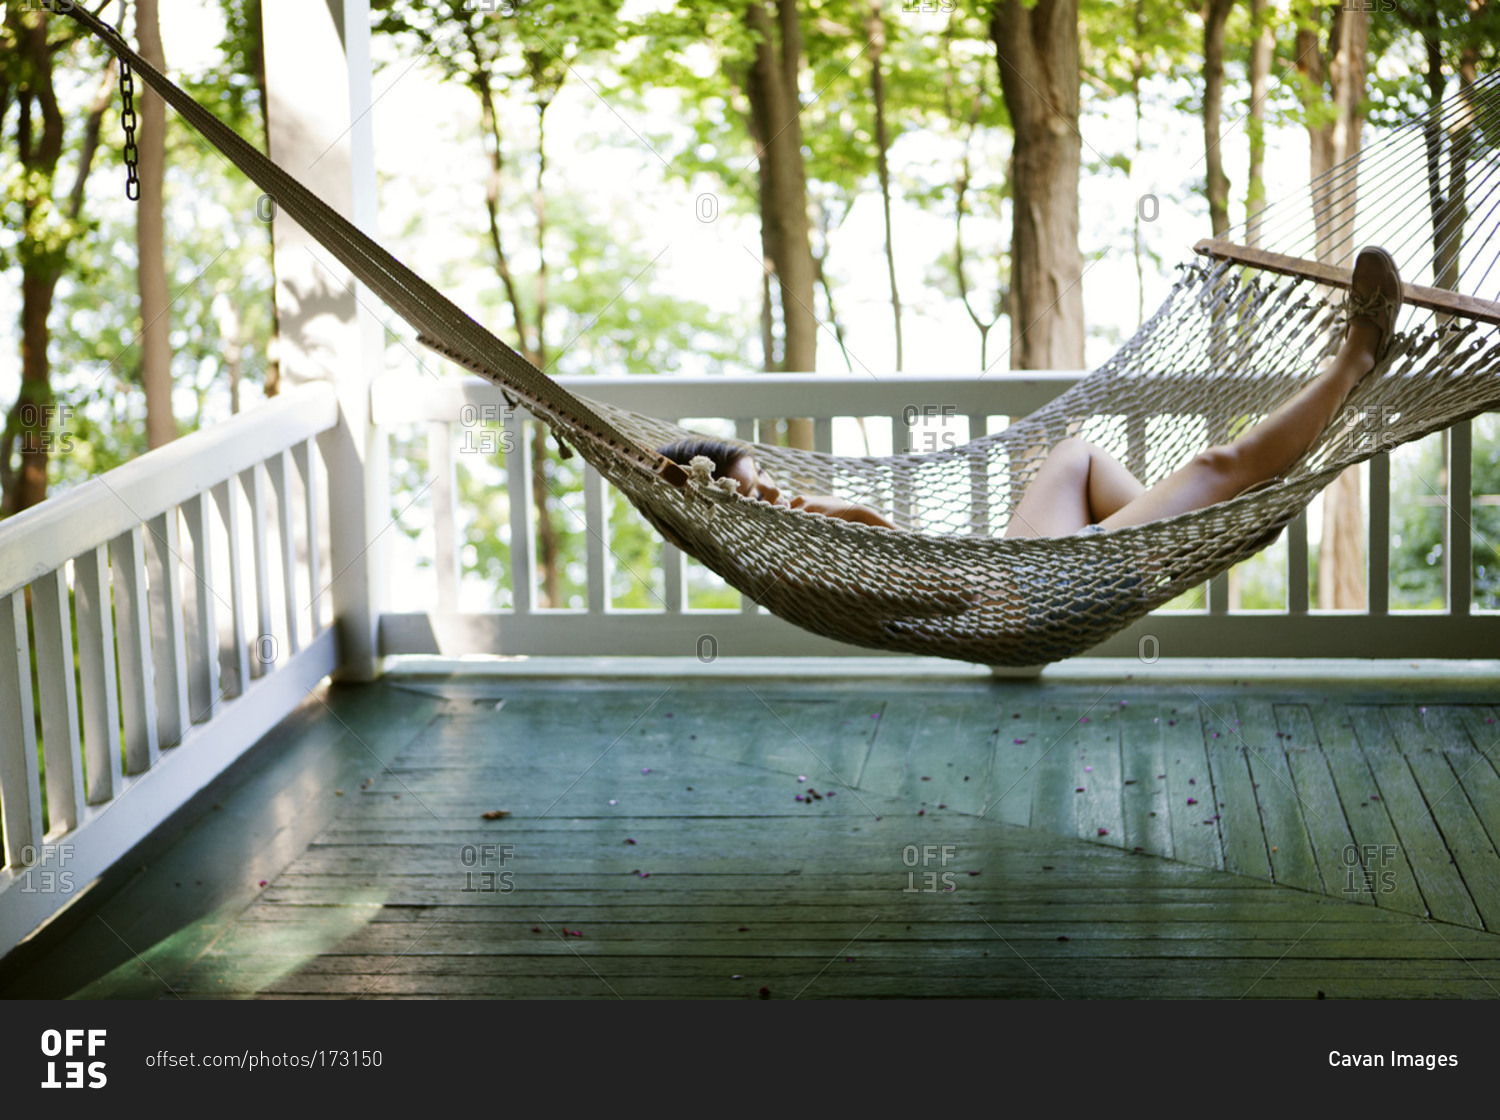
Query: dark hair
pixel 724 455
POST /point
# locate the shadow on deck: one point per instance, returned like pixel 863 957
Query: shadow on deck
pixel 774 838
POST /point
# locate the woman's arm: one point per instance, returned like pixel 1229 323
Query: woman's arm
pixel 837 507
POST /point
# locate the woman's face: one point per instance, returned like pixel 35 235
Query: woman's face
pixel 755 483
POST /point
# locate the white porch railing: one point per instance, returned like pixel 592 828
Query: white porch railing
pixel 903 402
pixel 153 657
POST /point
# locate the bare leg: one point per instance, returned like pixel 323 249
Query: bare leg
pixel 1076 485
pixel 1267 449
pixel 1079 484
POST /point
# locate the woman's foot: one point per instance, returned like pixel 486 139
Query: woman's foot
pixel 1371 308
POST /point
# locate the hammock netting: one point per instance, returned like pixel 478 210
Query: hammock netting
pixel 1230 343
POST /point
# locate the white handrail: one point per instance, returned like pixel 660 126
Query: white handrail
pixel 41 539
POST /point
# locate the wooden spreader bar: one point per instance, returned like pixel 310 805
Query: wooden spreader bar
pixel 1434 299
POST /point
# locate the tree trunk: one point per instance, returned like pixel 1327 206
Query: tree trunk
pixel 1215 16
pixel 1341 557
pixel 150 235
pixel 1039 79
pixel 25 444
pixel 771 86
pixel 875 28
pixel 1255 129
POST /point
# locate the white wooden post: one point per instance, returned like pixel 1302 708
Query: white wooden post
pixel 318 108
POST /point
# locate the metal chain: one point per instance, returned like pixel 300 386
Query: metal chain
pixel 127 117
pixel 127 121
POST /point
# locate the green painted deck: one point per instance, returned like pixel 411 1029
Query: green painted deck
pixel 1069 838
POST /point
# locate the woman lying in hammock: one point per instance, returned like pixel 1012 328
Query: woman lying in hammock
pixel 1081 488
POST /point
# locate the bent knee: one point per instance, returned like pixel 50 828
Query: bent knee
pixel 1224 460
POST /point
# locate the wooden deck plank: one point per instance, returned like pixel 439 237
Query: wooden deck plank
pixel 1054 802
pixel 1148 825
pixel 1323 813
pixel 1447 898
pixel 1187 776
pixel 1018 745
pixel 933 753
pixel 1283 806
pixel 385 899
pixel 1097 771
pixel 1380 863
pixel 1473 760
pixel 1230 802
pixel 1468 844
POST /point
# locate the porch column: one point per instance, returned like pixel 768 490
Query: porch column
pixel 317 60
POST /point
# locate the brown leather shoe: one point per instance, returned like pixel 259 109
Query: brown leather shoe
pixel 1375 296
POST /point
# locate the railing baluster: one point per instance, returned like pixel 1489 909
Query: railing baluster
pixel 1379 549
pixel 203 627
pixel 596 532
pixel 127 554
pixel 518 494
pixel 234 662
pixel 979 479
pixel 59 699
pixel 445 558
pixel 1296 564
pixel 823 434
pixel 305 453
pixel 169 657
pixel 901 496
pixel 253 479
pixel 279 467
pixel 96 666
pixel 744 429
pixel 674 569
pixel 1460 518
pixel 20 777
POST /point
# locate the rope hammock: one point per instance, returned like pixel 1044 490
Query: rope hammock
pixel 1243 328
